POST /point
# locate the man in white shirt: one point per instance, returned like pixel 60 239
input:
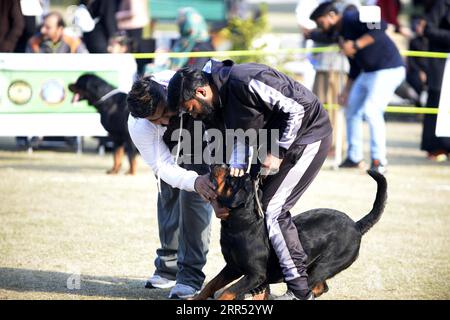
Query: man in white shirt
pixel 183 214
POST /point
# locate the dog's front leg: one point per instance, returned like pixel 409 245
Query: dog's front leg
pixel 224 277
pixel 119 152
pixel 244 285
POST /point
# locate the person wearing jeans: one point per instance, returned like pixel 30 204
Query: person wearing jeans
pixel 368 98
pixel 376 70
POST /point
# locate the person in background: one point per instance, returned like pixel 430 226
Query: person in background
pixel 51 38
pixel 32 10
pixel 120 43
pixel 11 24
pixel 376 70
pixel 104 11
pixel 436 28
pixel 389 12
pixel 194 36
pixel 416 74
pixel 330 67
pixel 132 16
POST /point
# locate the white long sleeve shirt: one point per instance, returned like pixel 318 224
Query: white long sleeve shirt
pixel 148 138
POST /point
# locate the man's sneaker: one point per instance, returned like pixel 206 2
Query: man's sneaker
pixel 156 281
pixel 182 291
pixel 347 163
pixel 377 166
pixel 289 295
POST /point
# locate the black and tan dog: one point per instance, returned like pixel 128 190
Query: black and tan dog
pixel 329 237
pixel 112 106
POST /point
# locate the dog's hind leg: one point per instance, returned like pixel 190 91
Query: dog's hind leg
pixel 320 289
pixel 131 153
pixel 226 276
pixel 245 284
pixel 119 152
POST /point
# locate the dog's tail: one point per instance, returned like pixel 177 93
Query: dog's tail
pixel 374 215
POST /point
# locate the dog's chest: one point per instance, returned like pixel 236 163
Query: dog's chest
pixel 244 246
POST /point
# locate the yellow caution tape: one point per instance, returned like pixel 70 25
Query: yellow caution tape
pixel 395 109
pixel 241 53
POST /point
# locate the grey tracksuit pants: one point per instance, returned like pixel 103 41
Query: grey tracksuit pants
pixel 184 229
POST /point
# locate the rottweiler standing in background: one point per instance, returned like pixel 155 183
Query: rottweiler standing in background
pixel 112 106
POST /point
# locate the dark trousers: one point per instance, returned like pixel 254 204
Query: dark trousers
pixel 430 142
pixel 280 193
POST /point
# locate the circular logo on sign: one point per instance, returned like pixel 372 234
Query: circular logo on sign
pixel 20 92
pixel 53 92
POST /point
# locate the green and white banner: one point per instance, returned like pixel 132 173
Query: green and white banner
pixel 34 91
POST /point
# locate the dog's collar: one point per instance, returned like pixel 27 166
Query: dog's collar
pixel 107 96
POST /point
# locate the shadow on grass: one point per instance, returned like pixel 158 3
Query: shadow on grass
pixel 24 280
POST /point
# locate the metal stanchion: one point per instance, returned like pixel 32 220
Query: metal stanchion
pixel 79 145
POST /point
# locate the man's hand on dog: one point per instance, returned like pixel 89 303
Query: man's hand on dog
pixel 271 165
pixel 205 188
pixel 221 212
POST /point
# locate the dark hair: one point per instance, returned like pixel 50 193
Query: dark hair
pixel 182 86
pixel 60 20
pixel 123 39
pixel 322 10
pixel 144 97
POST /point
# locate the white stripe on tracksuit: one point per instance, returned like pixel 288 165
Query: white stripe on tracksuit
pixel 288 105
pixel 275 208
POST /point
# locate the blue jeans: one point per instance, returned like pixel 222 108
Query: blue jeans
pixel 368 99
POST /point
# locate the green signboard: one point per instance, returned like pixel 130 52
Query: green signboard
pixel 212 10
pixel 39 83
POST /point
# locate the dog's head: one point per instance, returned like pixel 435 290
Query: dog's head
pixel 232 192
pixel 89 87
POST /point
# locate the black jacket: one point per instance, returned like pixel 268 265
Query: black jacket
pixel 255 96
pixel 438 33
pixel 11 24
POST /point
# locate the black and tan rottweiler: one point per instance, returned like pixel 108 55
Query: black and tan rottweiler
pixel 113 109
pixel 329 237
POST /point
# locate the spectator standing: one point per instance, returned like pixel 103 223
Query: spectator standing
pixel 104 12
pixel 330 66
pixel 32 10
pixel 11 24
pixel 51 38
pixel 436 28
pixel 376 70
pixel 194 36
pixel 132 17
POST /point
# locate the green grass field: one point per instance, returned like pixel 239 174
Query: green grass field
pixel 61 216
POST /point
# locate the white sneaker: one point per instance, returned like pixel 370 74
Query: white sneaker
pixel 289 295
pixel 156 281
pixel 182 291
